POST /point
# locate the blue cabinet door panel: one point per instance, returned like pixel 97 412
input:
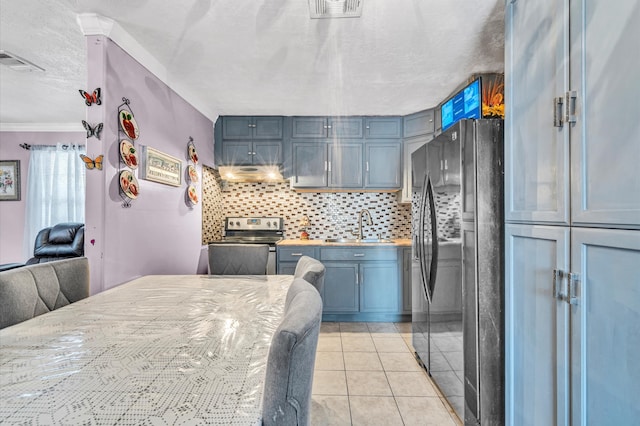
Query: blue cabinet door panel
pixel 345 165
pixel 237 153
pixel 268 153
pixel 309 165
pixel 236 127
pixel 383 127
pixel 382 165
pixel 536 343
pixel 309 127
pixel 267 127
pixel 341 287
pixel 605 331
pixel 420 123
pixel 379 287
pixel 345 127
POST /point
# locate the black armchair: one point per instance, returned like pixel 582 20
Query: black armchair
pixel 61 241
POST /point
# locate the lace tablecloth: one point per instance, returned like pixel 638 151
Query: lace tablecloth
pixel 159 350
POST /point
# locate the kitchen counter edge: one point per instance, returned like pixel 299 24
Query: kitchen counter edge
pixel 399 242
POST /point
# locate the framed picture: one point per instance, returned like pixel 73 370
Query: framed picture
pixel 159 167
pixel 10 180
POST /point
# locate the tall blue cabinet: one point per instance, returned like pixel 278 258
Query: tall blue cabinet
pixel 572 200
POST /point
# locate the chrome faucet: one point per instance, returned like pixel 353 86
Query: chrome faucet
pixel 369 222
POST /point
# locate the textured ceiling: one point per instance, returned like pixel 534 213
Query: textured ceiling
pixel 254 57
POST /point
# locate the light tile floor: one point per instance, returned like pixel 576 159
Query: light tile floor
pixel 365 374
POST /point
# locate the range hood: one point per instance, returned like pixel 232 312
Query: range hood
pixel 251 174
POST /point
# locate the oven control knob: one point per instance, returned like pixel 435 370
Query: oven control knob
pixel 268 224
pixel 238 223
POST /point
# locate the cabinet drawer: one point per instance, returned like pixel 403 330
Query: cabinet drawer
pixel 294 253
pixel 358 254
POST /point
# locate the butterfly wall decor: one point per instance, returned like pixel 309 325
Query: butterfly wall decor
pixel 92 131
pixel 90 164
pixel 91 98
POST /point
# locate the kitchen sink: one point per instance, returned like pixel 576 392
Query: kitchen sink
pixel 356 241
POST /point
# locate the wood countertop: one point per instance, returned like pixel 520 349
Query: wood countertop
pixel 399 242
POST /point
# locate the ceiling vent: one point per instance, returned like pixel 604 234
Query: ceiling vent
pixel 17 63
pixel 335 8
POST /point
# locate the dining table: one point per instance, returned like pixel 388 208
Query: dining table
pixel 158 350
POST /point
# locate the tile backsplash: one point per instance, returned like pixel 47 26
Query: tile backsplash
pixel 332 215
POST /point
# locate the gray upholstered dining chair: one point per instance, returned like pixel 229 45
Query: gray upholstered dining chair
pixel 40 288
pixel 238 259
pixel 312 271
pixel 292 355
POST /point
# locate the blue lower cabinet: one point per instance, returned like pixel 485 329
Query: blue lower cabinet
pixel 379 287
pixel 341 287
pixel 360 283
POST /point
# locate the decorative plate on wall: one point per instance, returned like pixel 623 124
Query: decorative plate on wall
pixel 128 123
pixel 129 154
pixel 192 194
pixel 193 154
pixel 129 184
pixel 193 173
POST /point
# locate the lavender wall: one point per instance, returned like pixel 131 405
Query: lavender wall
pixel 159 233
pixel 13 212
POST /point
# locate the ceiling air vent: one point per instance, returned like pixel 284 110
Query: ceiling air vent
pixel 17 63
pixel 335 8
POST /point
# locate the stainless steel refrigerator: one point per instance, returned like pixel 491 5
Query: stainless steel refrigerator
pixel 458 267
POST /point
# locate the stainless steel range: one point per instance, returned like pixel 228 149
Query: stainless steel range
pixel 255 230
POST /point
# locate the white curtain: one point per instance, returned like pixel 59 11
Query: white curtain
pixel 55 190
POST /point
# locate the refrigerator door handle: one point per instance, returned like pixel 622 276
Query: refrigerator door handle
pixel 433 270
pixel 421 237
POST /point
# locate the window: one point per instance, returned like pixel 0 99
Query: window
pixel 55 189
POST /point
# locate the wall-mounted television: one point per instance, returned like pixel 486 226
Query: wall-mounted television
pixel 467 103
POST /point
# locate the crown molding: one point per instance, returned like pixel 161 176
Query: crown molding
pixel 41 127
pixel 92 24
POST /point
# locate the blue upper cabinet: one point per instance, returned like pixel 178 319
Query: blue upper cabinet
pixel 345 127
pixel 321 165
pixel 309 127
pixel 309 165
pixel 252 127
pixel 420 123
pixel 382 165
pixel 242 153
pixel 345 165
pixel 383 127
pixel 327 127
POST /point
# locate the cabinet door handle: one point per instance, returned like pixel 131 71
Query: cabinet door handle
pixel 558 275
pixel 358 254
pixel 329 166
pixel 557 111
pixel 572 284
pixel 367 164
pixel 325 166
pixel 357 277
pixel 570 106
pixel 296 254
